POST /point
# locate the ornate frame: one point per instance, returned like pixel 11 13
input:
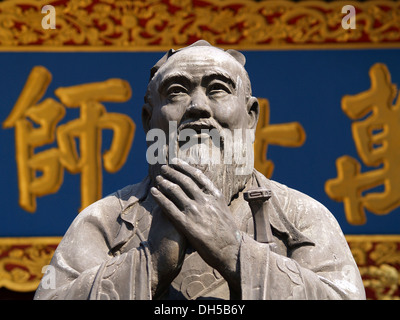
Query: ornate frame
pixel 158 25
pixel 153 25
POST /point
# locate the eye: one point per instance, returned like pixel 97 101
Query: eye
pixel 218 88
pixel 175 91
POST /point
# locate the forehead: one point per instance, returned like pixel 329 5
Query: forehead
pixel 200 61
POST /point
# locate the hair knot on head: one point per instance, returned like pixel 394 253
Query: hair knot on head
pixel 239 57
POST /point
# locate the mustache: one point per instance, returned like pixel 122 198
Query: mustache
pixel 208 125
pixel 200 124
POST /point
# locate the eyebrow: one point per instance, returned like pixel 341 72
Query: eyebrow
pixel 219 75
pixel 175 77
pixel 187 79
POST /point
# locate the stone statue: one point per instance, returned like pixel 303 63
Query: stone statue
pixel 206 229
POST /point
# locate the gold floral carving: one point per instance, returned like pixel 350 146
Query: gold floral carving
pixel 22 260
pixel 377 256
pixel 161 24
pixel 378 259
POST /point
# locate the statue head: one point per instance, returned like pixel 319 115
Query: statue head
pixel 204 87
pixel 225 95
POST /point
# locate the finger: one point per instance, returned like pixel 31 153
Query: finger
pixel 168 208
pixel 186 183
pixel 197 176
pixel 173 192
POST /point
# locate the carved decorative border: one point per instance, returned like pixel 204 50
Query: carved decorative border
pixel 378 259
pixel 153 25
pixel 22 260
pixel 377 256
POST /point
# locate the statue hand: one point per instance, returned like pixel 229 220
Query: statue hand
pixel 199 211
pixel 167 248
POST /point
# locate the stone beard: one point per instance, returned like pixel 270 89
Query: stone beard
pixel 225 157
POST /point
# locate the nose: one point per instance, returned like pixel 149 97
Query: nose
pixel 198 107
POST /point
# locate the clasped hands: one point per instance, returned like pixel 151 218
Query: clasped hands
pixel 191 211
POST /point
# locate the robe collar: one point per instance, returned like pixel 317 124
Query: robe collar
pixel 131 196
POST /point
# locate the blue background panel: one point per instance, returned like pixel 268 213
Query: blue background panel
pixel 304 86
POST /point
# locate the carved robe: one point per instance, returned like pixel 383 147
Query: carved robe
pixel 105 255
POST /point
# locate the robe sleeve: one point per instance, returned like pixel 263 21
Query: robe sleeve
pixel 325 270
pixel 124 277
pixel 86 268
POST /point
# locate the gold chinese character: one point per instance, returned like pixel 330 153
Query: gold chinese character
pixel 286 134
pixel 377 142
pixel 35 124
pixel 45 115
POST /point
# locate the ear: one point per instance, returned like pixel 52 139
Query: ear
pixel 146 117
pixel 253 112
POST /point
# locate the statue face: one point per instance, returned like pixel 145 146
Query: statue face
pixel 205 88
pixel 200 83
